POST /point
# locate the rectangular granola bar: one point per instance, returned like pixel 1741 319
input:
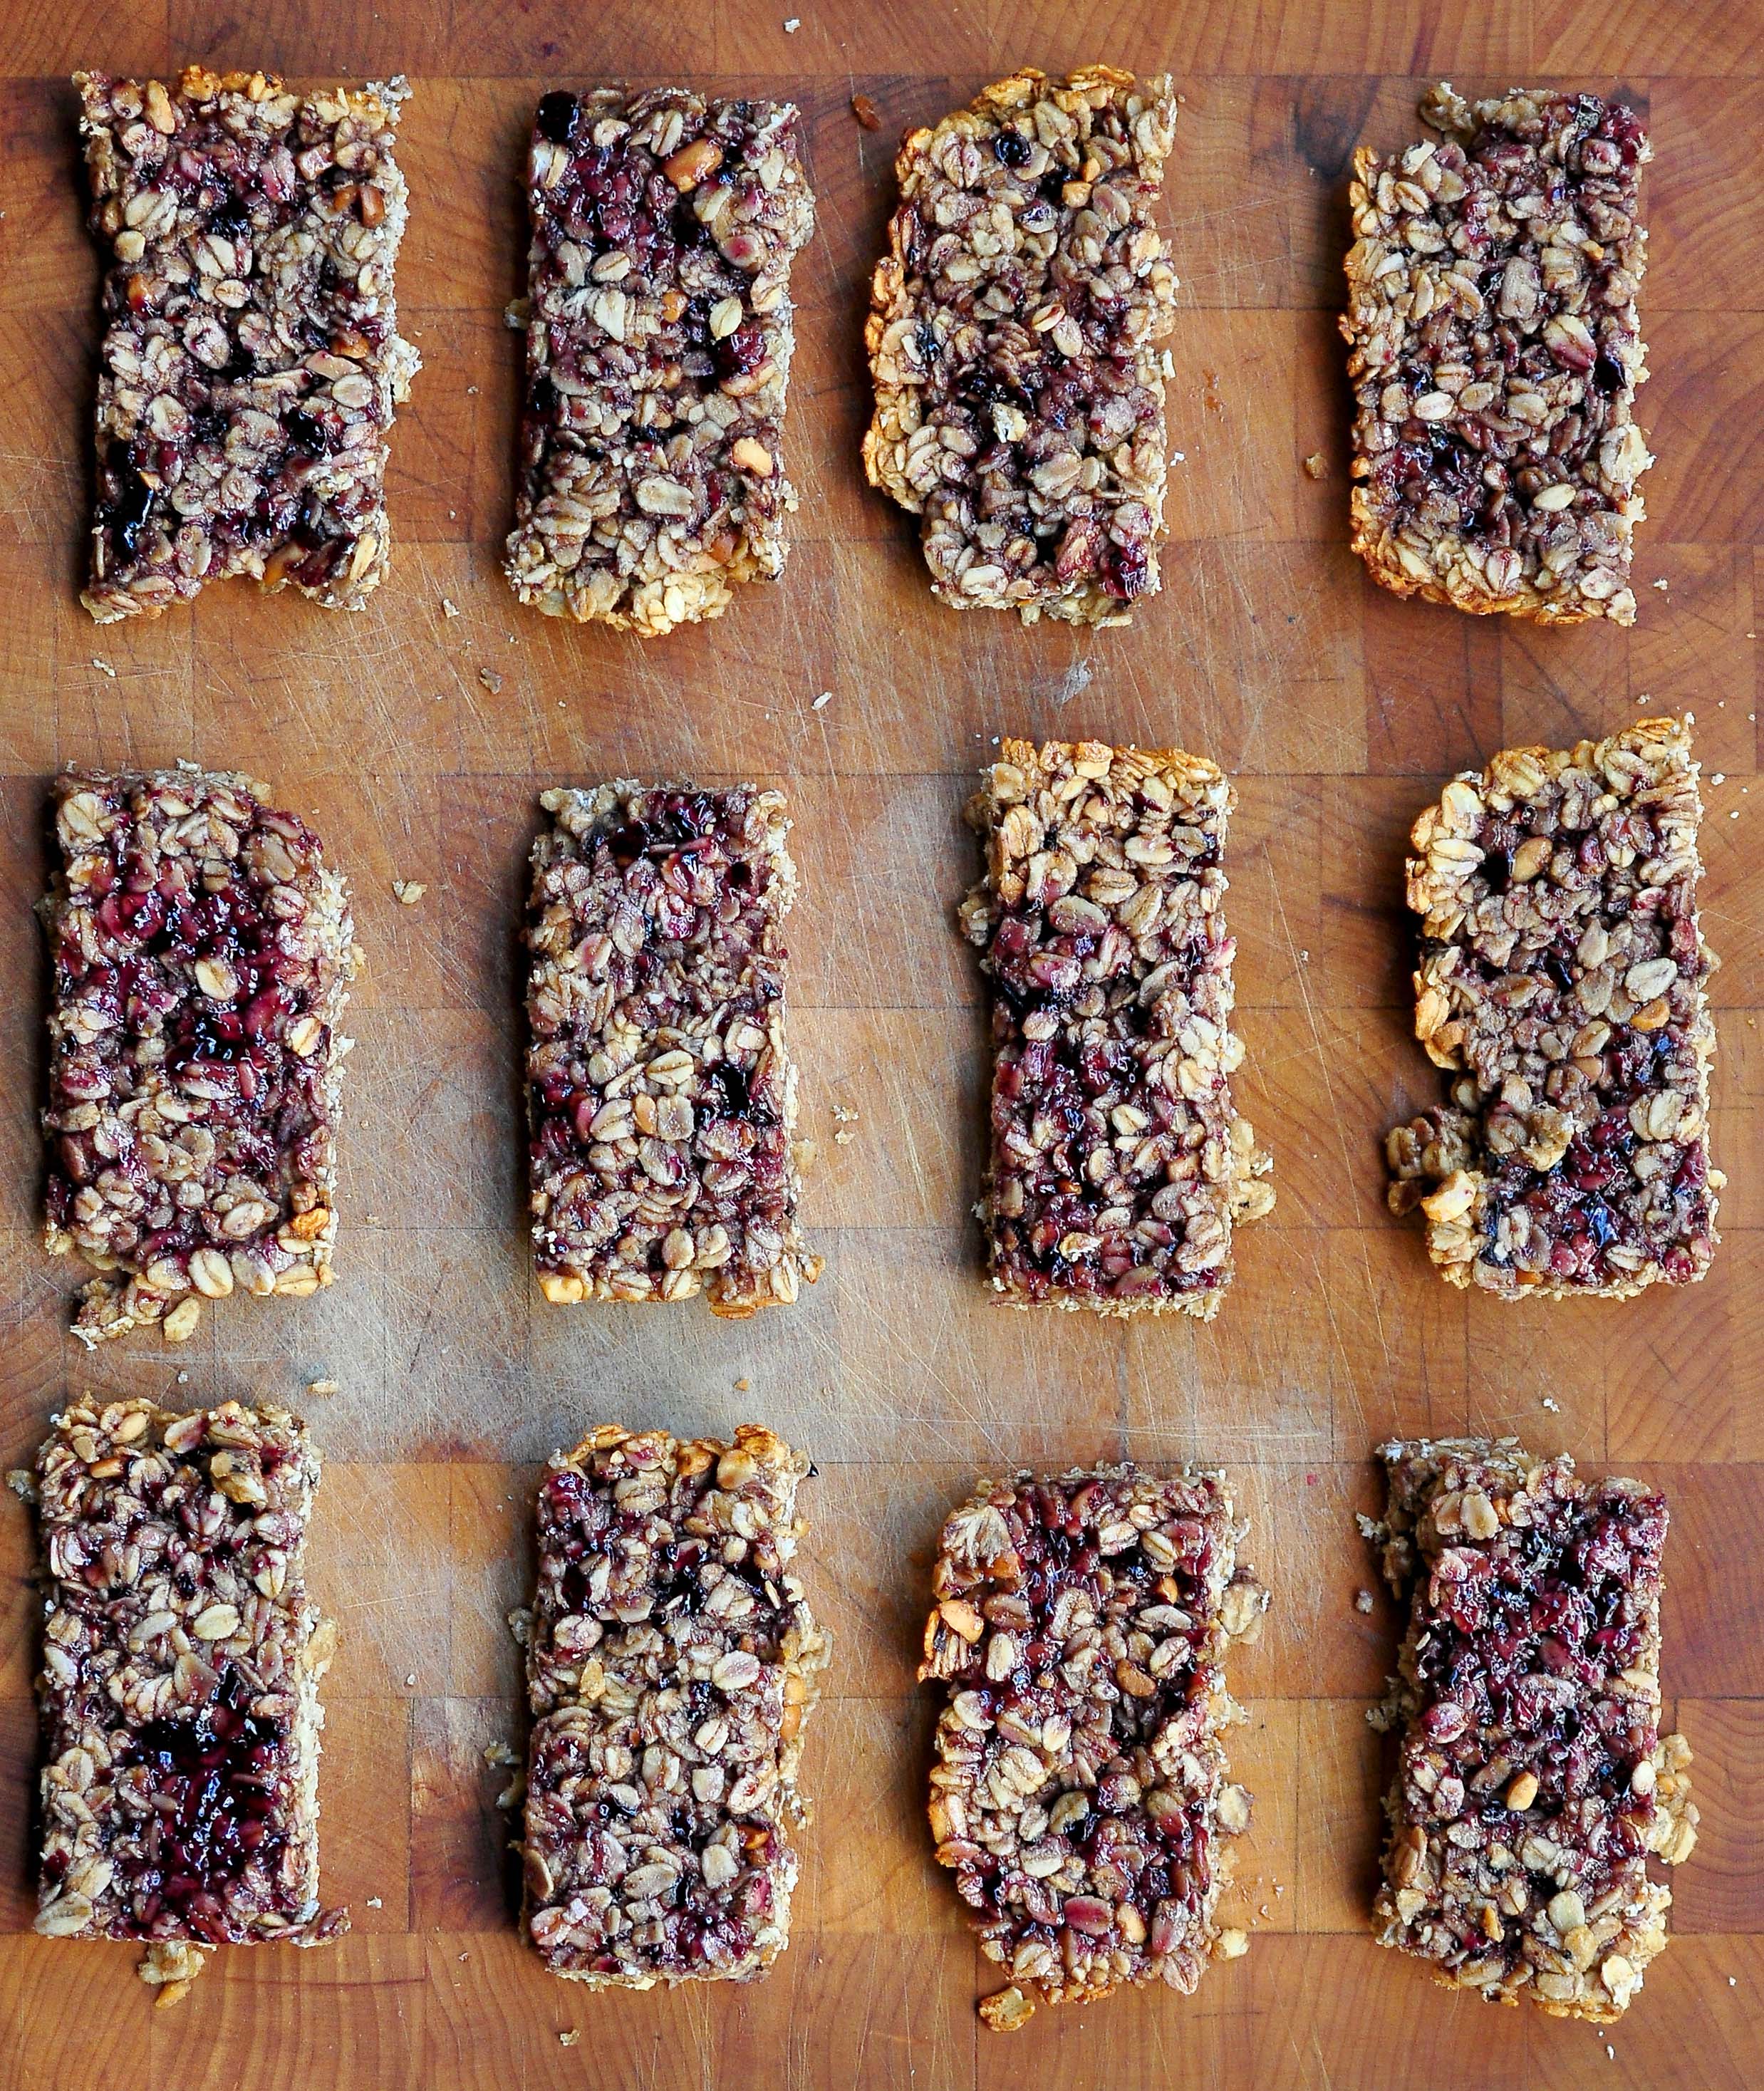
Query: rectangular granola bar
pixel 1561 984
pixel 1533 1781
pixel 1118 1164
pixel 1495 355
pixel 202 954
pixel 1080 1788
pixel 659 335
pixel 1020 392
pixel 180 1686
pixel 671 1662
pixel 251 358
pixel 661 1097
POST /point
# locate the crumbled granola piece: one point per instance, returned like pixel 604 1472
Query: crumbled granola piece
pixel 202 954
pixel 252 358
pixel 1080 1626
pixel 180 1686
pixel 1562 985
pixel 1012 340
pixel 661 1095
pixel 1495 355
pixel 1118 1165
pixel 1533 1780
pixel 671 1662
pixel 659 335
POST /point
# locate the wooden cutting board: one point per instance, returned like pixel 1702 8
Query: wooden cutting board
pixel 1338 710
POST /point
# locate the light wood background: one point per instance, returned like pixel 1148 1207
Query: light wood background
pixel 1338 710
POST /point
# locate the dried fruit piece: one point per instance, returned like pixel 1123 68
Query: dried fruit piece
pixel 1495 355
pixel 1011 338
pixel 202 956
pixel 1562 985
pixel 661 1097
pixel 252 358
pixel 1079 1792
pixel 1533 1781
pixel 659 336
pixel 179 1687
pixel 1118 1165
pixel 671 1662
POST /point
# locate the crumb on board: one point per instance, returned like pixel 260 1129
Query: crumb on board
pixel 490 680
pixel 321 1386
pixel 409 890
pixel 823 701
pixel 449 608
pixel 568 2037
pixel 1317 465
pixel 1362 1600
pixel 866 112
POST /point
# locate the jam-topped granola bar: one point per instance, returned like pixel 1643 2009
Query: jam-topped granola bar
pixel 179 1684
pixel 1495 355
pixel 1533 1781
pixel 252 358
pixel 1080 1788
pixel 1012 339
pixel 671 1662
pixel 1562 984
pixel 662 1098
pixel 202 954
pixel 1118 1165
pixel 659 335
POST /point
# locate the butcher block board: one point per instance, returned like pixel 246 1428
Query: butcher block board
pixel 1338 711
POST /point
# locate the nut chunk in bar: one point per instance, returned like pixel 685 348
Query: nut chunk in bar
pixel 671 1662
pixel 1118 1164
pixel 1562 986
pixel 659 334
pixel 251 358
pixel 1495 355
pixel 1019 391
pixel 661 1099
pixel 1080 1788
pixel 202 954
pixel 179 1687
pixel 1533 1781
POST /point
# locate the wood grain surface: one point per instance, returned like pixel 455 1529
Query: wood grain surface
pixel 1338 710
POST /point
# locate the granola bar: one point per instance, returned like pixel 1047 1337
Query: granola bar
pixel 251 358
pixel 1495 355
pixel 179 1687
pixel 1561 984
pixel 659 335
pixel 1118 1164
pixel 1533 1780
pixel 661 1097
pixel 671 1662
pixel 1080 1788
pixel 202 955
pixel 1012 339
